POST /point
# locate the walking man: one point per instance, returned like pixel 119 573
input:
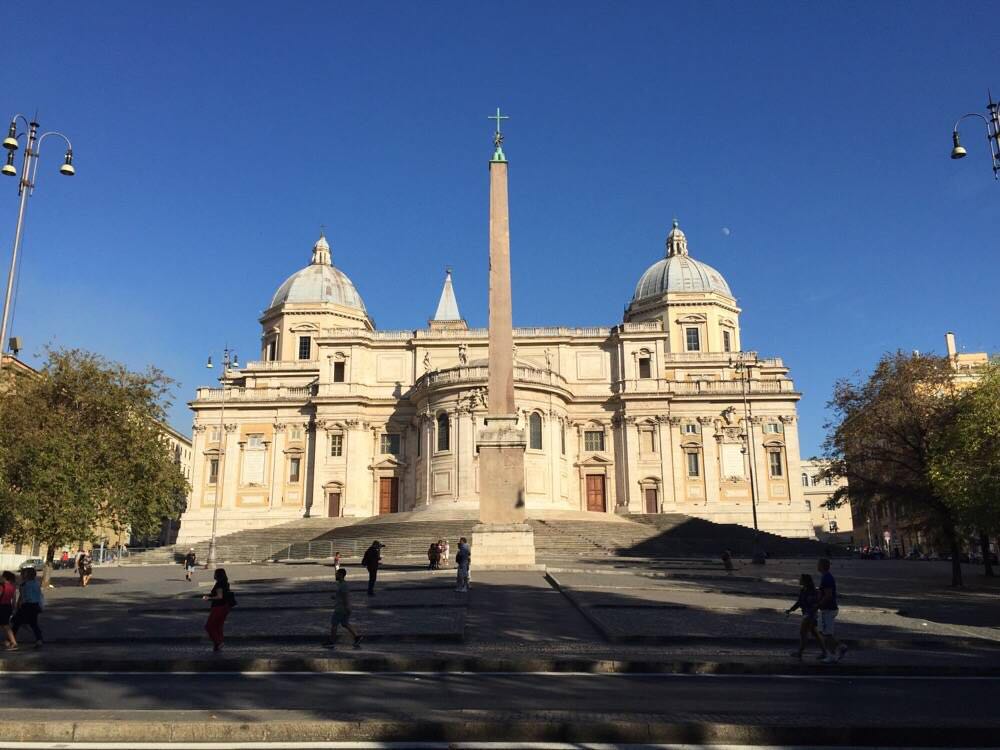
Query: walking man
pixel 190 561
pixel 835 650
pixel 371 560
pixel 341 612
pixel 463 558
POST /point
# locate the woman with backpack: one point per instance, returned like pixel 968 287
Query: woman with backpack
pixel 223 600
pixel 29 605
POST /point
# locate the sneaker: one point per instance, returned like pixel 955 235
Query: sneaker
pixel 357 641
pixel 841 650
pixel 829 659
pixel 10 647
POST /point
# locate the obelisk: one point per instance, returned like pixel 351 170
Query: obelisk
pixel 501 539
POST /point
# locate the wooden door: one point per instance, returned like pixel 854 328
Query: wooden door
pixel 595 493
pixel 652 506
pixel 333 505
pixel 388 495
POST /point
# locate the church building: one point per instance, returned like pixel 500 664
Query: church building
pixel 664 412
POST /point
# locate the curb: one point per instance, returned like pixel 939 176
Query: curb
pixel 453 664
pixel 488 729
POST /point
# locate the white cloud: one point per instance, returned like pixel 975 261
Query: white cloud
pixel 726 231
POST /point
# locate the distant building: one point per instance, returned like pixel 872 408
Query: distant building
pixel 829 525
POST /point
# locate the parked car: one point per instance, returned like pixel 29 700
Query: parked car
pixel 33 562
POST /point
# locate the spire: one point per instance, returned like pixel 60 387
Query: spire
pixel 498 154
pixel 321 252
pixel 677 243
pixel 447 309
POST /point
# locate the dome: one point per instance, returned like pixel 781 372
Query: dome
pixel 679 272
pixel 320 281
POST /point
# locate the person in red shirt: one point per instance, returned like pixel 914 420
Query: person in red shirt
pixel 8 588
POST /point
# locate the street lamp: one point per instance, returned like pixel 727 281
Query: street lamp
pixel 229 357
pixel 25 187
pixel 742 367
pixel 992 135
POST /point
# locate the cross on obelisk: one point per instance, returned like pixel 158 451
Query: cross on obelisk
pixel 502 538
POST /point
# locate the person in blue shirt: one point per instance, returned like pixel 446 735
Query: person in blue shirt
pixel 827 607
pixel 29 605
pixel 807 602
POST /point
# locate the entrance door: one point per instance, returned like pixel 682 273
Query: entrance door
pixel 333 505
pixel 595 493
pixel 652 506
pixel 388 495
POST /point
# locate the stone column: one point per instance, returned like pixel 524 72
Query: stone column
pixel 277 466
pixel 231 466
pixel 792 459
pixel 710 452
pixel 667 491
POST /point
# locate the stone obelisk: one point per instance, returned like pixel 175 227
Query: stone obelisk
pixel 501 539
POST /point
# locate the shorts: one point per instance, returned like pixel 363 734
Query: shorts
pixel 5 614
pixel 826 619
pixel 340 618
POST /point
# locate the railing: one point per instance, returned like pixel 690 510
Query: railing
pixel 317 550
pixel 481 373
pixel 290 364
pixel 645 325
pixel 731 387
pixel 281 393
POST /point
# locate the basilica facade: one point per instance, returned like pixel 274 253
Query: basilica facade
pixel 664 412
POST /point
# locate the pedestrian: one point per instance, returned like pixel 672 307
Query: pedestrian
pixel 807 602
pixel 463 559
pixel 85 569
pixel 336 562
pixel 29 605
pixel 64 560
pixel 445 553
pixel 341 612
pixel 8 590
pixel 76 561
pixel 371 560
pixel 190 562
pixel 223 600
pixel 434 556
pixel 827 606
pixel 727 561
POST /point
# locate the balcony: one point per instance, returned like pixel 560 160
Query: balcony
pixel 730 387
pixel 282 393
pixel 290 364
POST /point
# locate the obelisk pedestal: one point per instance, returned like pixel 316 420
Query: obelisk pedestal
pixel 501 539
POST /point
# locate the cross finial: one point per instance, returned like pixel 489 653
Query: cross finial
pixel 498 136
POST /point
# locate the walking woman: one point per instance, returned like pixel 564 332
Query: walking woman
pixel 29 605
pixel 808 602
pixel 85 568
pixel 8 590
pixel 222 601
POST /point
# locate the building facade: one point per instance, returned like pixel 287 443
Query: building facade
pixel 829 525
pixel 664 412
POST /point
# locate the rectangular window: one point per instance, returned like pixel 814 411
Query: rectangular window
pixel 833 527
pixel 775 463
pixel 562 437
pixel 535 432
pixel 649 441
pixel 305 347
pixel 828 481
pixel 213 471
pixel 772 428
pixel 338 372
pixel 809 505
pixel 593 440
pixel 694 466
pixel 216 434
pixel 690 428
pixel 645 370
pixel 390 443
pixel 336 445
pixel 727 341
pixel 255 442
pixel 272 350
pixel 693 339
pixel 293 469
pixel 296 433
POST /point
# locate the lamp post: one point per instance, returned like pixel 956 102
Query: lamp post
pixel 992 135
pixel 25 187
pixel 742 367
pixel 228 357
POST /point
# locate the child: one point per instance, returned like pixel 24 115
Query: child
pixel 808 601
pixel 341 612
pixel 336 562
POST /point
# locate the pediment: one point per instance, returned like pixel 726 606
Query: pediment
pixel 693 318
pixel 595 460
pixel 390 462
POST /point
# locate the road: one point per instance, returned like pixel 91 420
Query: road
pixel 791 700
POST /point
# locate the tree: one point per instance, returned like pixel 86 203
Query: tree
pixel 966 463
pixel 882 438
pixel 82 453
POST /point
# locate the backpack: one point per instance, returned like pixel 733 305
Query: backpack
pixel 230 598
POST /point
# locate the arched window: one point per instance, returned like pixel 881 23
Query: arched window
pixel 444 432
pixel 535 431
pixel 805 480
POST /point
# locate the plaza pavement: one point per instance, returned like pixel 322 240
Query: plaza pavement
pixel 132 645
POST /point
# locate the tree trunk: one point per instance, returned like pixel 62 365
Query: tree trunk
pixel 956 562
pixel 984 547
pixel 50 553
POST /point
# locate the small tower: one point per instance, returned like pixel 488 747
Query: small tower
pixel 447 317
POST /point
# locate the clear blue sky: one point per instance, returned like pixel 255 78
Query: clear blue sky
pixel 212 140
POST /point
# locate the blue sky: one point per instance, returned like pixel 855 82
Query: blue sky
pixel 212 140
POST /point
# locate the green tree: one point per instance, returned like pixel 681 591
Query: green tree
pixel 966 463
pixel 882 437
pixel 81 452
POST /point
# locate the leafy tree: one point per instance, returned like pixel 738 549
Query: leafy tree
pixel 882 438
pixel 966 463
pixel 82 454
